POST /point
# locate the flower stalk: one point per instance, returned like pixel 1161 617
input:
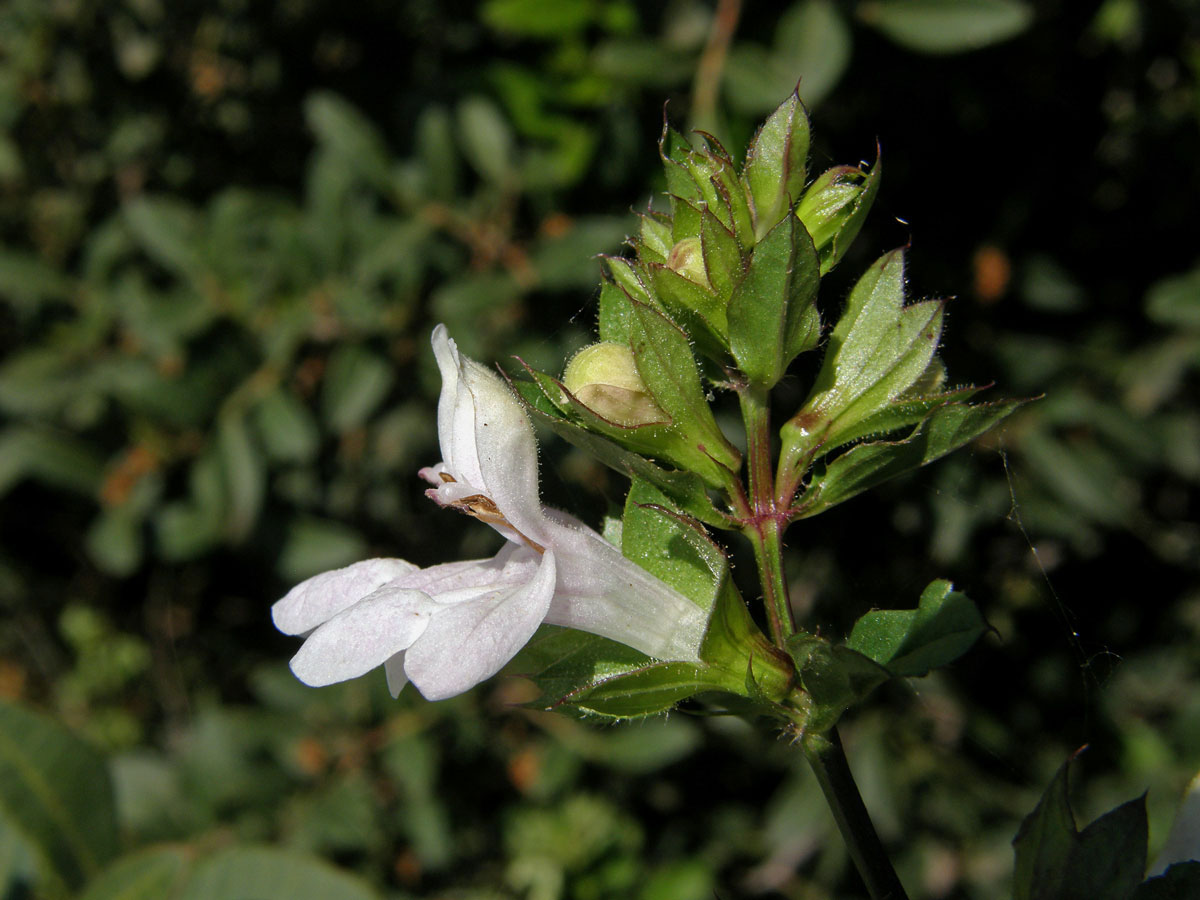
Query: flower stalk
pixel 828 760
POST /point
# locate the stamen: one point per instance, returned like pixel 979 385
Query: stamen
pixel 484 509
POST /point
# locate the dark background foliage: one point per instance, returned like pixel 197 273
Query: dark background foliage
pixel 228 229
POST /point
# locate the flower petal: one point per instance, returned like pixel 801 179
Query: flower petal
pixel 487 439
pixel 364 636
pixel 601 591
pixel 323 596
pixel 472 640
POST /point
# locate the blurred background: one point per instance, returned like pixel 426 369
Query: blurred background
pixel 227 231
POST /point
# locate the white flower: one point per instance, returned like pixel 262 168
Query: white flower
pixel 449 627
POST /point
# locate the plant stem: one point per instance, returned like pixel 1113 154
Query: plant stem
pixel 764 525
pixel 712 62
pixel 828 761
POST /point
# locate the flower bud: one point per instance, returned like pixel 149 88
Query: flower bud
pixel 687 258
pixel 604 377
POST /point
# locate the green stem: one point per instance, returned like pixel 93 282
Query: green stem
pixel 764 523
pixel 828 761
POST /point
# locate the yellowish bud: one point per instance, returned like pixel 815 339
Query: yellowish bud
pixel 604 377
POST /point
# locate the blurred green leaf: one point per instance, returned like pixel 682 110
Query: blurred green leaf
pixel 947 26
pixel 55 790
pixel 356 382
pixel 811 46
pixel 265 873
pixel 244 476
pixel 313 545
pixel 538 18
pixel 286 428
pixel 169 231
pixel 348 134
pixel 156 873
pixel 487 139
pixel 1176 301
pixel 114 541
pixel 29 282
pixel 53 458
pixel 910 642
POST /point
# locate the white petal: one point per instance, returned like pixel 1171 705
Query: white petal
pixel 486 437
pixel 601 591
pixel 323 596
pixel 364 636
pixel 1183 842
pixel 471 641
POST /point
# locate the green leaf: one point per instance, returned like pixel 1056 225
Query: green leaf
pixel 658 538
pixel 722 256
pixel 900 413
pixel 910 642
pixel 867 465
pixel 156 873
pixel 1109 858
pixel 877 351
pixel 1055 862
pixel 835 206
pixel 1043 844
pixel 772 314
pixel 694 308
pixel 265 873
pixel 664 359
pixel 55 790
pixel 579 671
pixel 356 382
pixel 654 238
pixel 776 161
pixel 947 26
pixel 685 489
pixel 834 677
